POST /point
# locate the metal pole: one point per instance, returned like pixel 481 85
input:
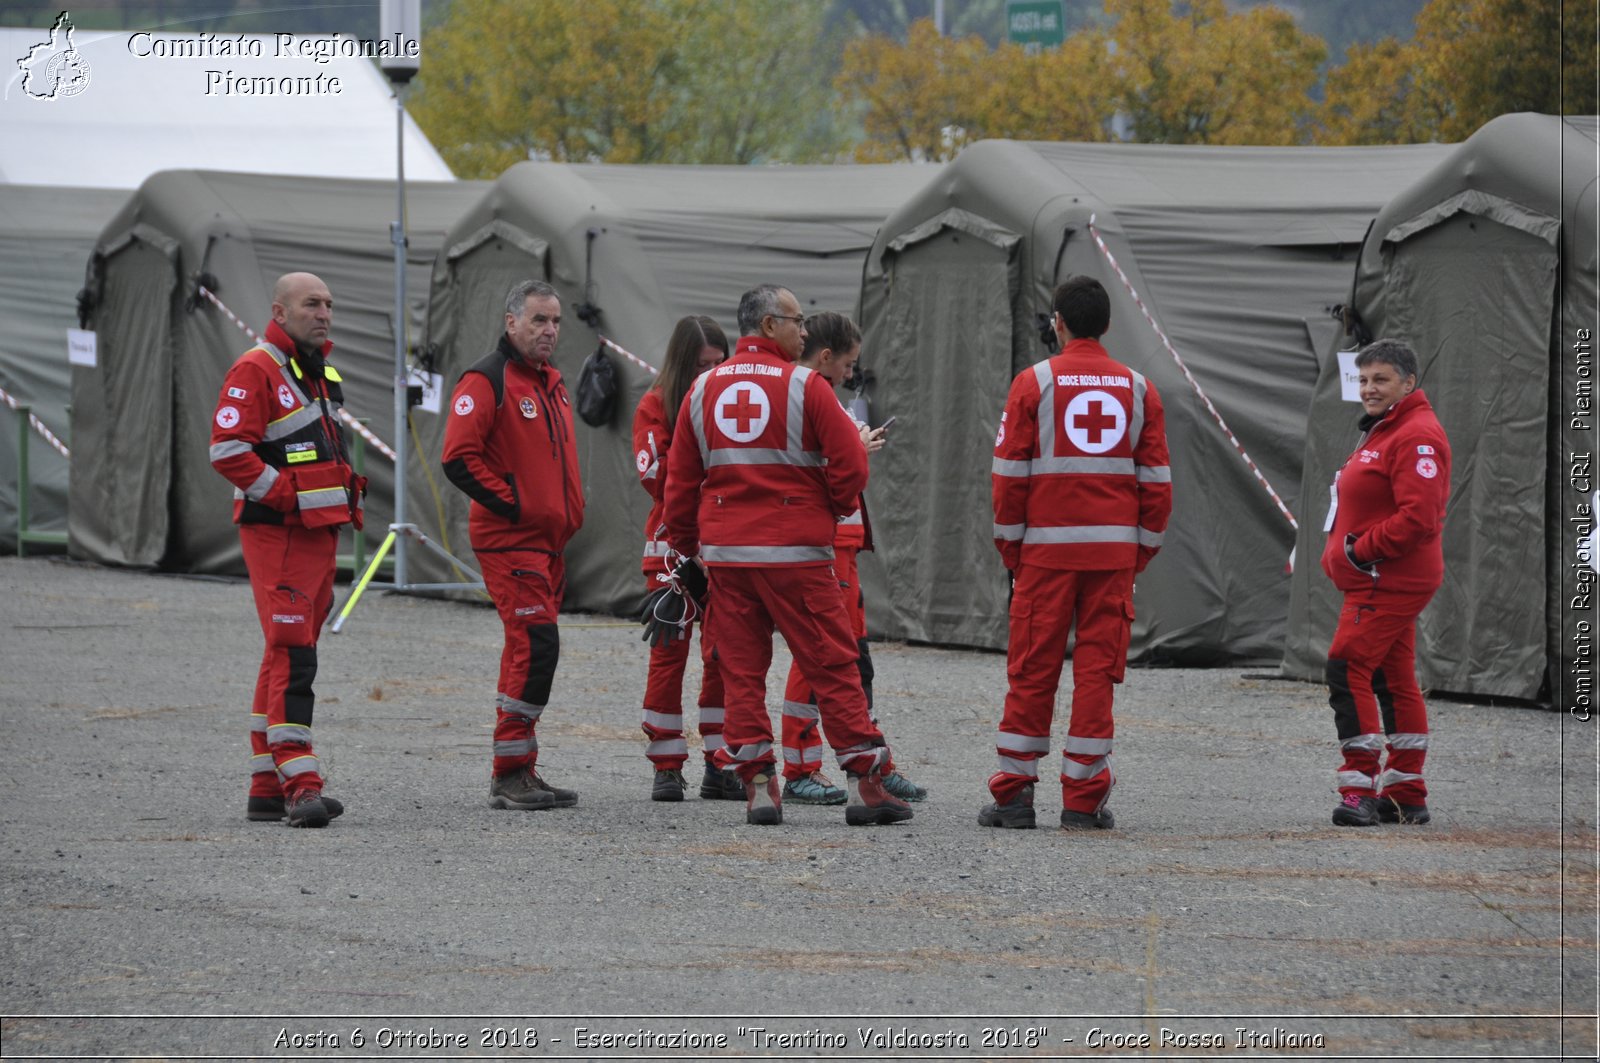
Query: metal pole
pixel 401 410
pixel 22 480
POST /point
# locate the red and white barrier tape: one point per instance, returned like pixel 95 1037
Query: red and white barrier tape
pixel 635 359
pixel 38 425
pixel 344 415
pixel 1193 383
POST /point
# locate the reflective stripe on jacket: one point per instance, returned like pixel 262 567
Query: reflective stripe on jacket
pixel 774 461
pixel 275 437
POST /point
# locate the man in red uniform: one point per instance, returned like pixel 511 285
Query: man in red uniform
pixel 1384 553
pixel 276 437
pixel 765 464
pixel 1082 493
pixel 509 445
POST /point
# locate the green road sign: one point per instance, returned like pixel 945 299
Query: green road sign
pixel 1035 24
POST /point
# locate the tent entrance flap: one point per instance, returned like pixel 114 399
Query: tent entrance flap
pixel 1470 284
pixel 122 451
pixel 958 290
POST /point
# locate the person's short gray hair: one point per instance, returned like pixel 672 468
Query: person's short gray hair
pixel 517 299
pixel 1389 352
pixel 756 304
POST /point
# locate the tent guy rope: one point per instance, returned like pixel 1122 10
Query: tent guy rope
pixel 635 359
pixel 1193 383
pixel 344 415
pixel 38 425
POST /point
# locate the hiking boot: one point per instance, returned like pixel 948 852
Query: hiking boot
pixel 271 809
pixel 764 807
pixel 719 785
pixel 814 789
pixel 871 803
pixel 904 788
pixel 1392 811
pixel 1016 813
pixel 1099 820
pixel 308 809
pixel 668 785
pixel 563 798
pixel 1356 810
pixel 519 789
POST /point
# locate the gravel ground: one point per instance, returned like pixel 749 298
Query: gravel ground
pixel 1223 917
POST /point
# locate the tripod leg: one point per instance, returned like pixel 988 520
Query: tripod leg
pixel 366 578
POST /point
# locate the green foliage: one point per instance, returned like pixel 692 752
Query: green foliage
pixel 626 81
pixel 1194 74
pixel 1469 61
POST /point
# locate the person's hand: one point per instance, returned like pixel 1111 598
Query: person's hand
pixel 872 439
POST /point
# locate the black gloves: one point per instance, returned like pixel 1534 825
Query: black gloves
pixel 1370 568
pixel 663 616
pixel 692 578
pixel 668 611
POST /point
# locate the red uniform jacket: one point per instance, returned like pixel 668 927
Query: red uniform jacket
pixel 509 445
pixel 275 436
pixel 855 529
pixel 767 462
pixel 1080 465
pixel 1391 496
pixel 652 435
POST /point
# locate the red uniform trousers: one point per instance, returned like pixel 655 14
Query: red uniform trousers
pixel 1372 686
pixel 804 605
pixel 291 576
pixel 663 701
pixel 802 725
pixel 1044 603
pixel 527 587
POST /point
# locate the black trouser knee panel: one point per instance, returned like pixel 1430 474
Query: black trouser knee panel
pixel 298 699
pixel 544 652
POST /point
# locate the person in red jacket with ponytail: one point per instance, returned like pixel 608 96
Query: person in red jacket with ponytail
pixel 833 344
pixel 1384 553
pixel 697 344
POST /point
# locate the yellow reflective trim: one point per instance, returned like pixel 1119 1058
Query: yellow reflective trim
pixel 299 456
pixel 332 374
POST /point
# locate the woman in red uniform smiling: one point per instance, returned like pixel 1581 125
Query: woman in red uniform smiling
pixel 1384 553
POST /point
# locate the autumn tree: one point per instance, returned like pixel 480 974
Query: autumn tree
pixel 626 81
pixel 1469 61
pixel 919 100
pixel 1192 73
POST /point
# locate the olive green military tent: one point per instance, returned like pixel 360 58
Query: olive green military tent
pixel 142 488
pixel 631 249
pixel 1486 266
pixel 46 235
pixel 1233 254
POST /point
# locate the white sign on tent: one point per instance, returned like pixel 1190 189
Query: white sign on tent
pixel 1349 377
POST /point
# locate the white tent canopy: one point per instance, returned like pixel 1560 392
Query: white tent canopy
pixel 141 109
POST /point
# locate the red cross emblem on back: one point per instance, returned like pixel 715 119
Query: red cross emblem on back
pixel 742 412
pixel 1095 422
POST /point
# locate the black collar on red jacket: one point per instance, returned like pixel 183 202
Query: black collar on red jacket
pixel 1406 404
